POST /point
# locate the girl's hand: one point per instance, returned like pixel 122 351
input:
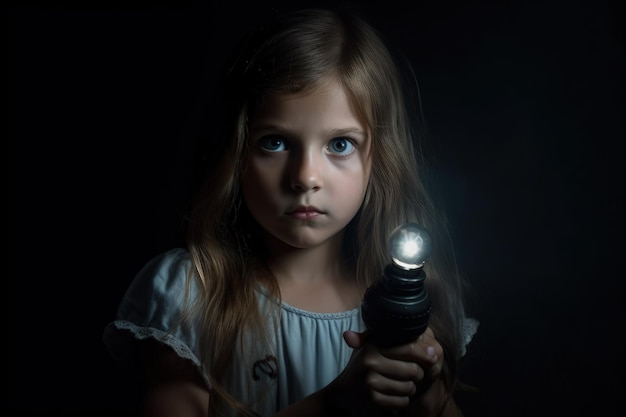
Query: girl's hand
pixel 378 379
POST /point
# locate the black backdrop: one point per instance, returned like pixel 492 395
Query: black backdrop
pixel 524 101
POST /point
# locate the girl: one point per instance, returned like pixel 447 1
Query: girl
pixel 260 313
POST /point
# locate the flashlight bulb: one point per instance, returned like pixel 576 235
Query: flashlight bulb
pixel 410 245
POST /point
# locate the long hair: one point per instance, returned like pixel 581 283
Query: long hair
pixel 295 54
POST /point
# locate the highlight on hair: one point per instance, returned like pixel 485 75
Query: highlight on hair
pixel 296 54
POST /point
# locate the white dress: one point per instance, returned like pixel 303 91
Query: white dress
pixel 305 353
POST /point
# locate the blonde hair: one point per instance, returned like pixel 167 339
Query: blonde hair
pixel 296 54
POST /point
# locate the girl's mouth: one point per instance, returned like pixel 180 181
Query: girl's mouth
pixel 305 212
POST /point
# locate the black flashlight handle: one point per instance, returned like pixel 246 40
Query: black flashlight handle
pixel 396 308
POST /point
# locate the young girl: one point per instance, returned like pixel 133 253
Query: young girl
pixel 315 166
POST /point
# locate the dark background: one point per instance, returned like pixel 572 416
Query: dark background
pixel 524 102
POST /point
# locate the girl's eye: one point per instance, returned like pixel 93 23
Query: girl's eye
pixel 272 144
pixel 341 146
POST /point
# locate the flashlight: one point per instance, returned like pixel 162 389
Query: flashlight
pixel 396 308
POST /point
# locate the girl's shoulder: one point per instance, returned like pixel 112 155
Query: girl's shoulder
pixel 167 266
pixel 161 283
pixel 151 307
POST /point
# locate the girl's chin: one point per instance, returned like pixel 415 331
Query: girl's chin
pixel 303 237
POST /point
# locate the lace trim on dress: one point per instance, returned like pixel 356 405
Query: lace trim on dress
pixel 470 327
pixel 142 333
pixel 320 316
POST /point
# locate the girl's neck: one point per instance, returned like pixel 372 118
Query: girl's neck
pixel 320 263
pixel 315 279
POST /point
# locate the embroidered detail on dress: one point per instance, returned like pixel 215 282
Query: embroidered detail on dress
pixel 267 366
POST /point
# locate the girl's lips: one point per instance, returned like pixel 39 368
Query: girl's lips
pixel 305 213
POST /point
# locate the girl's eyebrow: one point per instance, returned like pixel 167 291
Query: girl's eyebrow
pixel 348 131
pixel 351 131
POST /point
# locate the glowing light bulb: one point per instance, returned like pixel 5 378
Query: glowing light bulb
pixel 410 245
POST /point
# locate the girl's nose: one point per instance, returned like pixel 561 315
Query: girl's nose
pixel 306 172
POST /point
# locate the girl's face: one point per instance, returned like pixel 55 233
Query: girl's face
pixel 308 166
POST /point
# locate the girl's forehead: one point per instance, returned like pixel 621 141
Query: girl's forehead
pixel 325 104
pixel 324 85
pixel 328 86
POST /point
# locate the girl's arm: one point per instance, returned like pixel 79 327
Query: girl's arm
pixel 168 385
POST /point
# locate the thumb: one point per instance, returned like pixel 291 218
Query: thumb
pixel 355 339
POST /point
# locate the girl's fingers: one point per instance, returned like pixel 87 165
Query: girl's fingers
pixel 390 401
pixel 426 350
pixel 392 369
pixel 386 386
pixel 389 392
pixel 394 375
pixel 355 339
